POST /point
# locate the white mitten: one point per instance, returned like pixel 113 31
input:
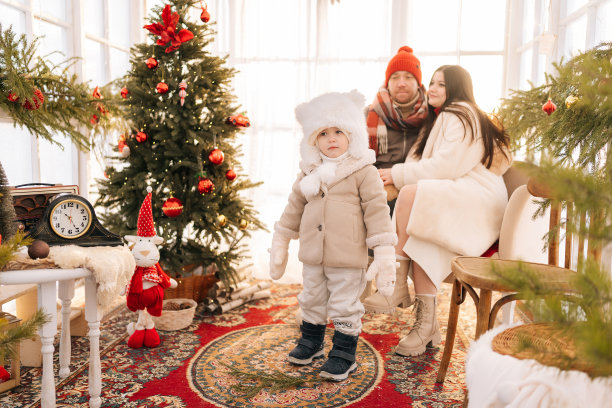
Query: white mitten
pixel 383 268
pixel 279 252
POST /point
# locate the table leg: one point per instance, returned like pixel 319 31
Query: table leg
pixel 66 293
pixel 92 315
pixel 46 299
pixel 482 312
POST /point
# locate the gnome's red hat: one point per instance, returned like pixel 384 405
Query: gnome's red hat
pixel 145 225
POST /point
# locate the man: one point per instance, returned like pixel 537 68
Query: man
pixel 396 115
pixel 394 120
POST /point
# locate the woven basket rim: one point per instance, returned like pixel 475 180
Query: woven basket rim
pixel 552 347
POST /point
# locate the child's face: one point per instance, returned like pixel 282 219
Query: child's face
pixel 332 142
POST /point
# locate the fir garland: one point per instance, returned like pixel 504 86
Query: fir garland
pixel 69 105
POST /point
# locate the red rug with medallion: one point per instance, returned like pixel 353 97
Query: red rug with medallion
pixel 197 366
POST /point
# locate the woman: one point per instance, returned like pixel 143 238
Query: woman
pixel 452 194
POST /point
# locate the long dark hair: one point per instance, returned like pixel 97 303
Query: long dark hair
pixel 459 89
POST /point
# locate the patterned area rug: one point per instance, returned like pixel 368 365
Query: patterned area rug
pixel 193 367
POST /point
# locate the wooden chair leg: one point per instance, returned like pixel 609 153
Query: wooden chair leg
pixel 451 330
pixel 482 313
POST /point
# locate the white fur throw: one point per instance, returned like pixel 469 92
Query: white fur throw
pixel 494 380
pixel 112 267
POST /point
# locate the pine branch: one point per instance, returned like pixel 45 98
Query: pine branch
pixel 253 382
pixel 10 337
pixel 9 247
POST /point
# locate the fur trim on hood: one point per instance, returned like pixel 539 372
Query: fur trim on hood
pixel 335 109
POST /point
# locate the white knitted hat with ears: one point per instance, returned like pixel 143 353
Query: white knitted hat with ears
pixel 343 110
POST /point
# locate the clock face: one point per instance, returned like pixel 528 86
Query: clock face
pixel 70 218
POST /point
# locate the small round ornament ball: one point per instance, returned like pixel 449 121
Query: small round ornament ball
pixel 230 174
pixel 172 207
pixel 221 220
pixel 141 137
pixel 243 224
pixel 216 156
pixel 205 186
pixel 124 92
pixel 152 63
pixel 549 107
pixel 162 87
pixel 205 15
pixel 12 97
pixel 38 249
pixel 570 101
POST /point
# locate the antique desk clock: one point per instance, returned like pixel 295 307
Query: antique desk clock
pixel 66 219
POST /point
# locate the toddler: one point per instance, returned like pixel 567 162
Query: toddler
pixel 337 209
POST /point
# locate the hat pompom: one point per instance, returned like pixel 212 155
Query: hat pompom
pixel 405 48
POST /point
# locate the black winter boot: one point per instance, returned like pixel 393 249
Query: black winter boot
pixel 341 361
pixel 310 345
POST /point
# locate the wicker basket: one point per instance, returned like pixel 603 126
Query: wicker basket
pixel 175 319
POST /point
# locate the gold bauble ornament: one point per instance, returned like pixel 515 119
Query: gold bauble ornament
pixel 243 224
pixel 221 220
pixel 570 101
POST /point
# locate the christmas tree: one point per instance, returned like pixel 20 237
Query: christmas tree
pixel 568 123
pixel 181 136
pixel 8 226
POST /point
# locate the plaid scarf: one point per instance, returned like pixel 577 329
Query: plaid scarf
pixel 382 113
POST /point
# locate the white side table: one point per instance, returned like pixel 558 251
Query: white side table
pixel 54 283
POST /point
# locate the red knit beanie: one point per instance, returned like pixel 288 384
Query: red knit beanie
pixel 404 60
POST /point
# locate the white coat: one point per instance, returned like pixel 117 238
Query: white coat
pixel 459 203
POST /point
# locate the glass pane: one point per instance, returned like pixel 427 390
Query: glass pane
pixel 346 36
pixel 94 63
pixel 472 13
pixel 528 20
pixel 542 69
pixel 486 72
pixel 603 23
pixel 53 42
pixel 119 63
pixel 15 154
pixel 573 5
pixel 430 64
pixel 56 165
pixel 545 9
pixel 94 15
pixel 259 35
pixel 445 13
pixel 365 76
pixel 56 8
pixel 119 30
pixel 525 69
pixel 14 17
pixel 575 37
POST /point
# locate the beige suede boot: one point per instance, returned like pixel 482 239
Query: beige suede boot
pixel 425 332
pixel 378 303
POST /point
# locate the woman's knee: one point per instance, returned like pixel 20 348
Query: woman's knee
pixel 405 198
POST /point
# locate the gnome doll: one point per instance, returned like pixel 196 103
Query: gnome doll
pixel 145 291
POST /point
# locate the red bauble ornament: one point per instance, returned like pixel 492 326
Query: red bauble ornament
pixel 152 63
pixel 162 87
pixel 205 16
pixel 215 156
pixel 205 186
pixel 124 92
pixel 230 174
pixel 94 119
pixel 12 97
pixel 38 99
pixel 549 107
pixel 141 137
pixel 173 207
pixel 183 92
